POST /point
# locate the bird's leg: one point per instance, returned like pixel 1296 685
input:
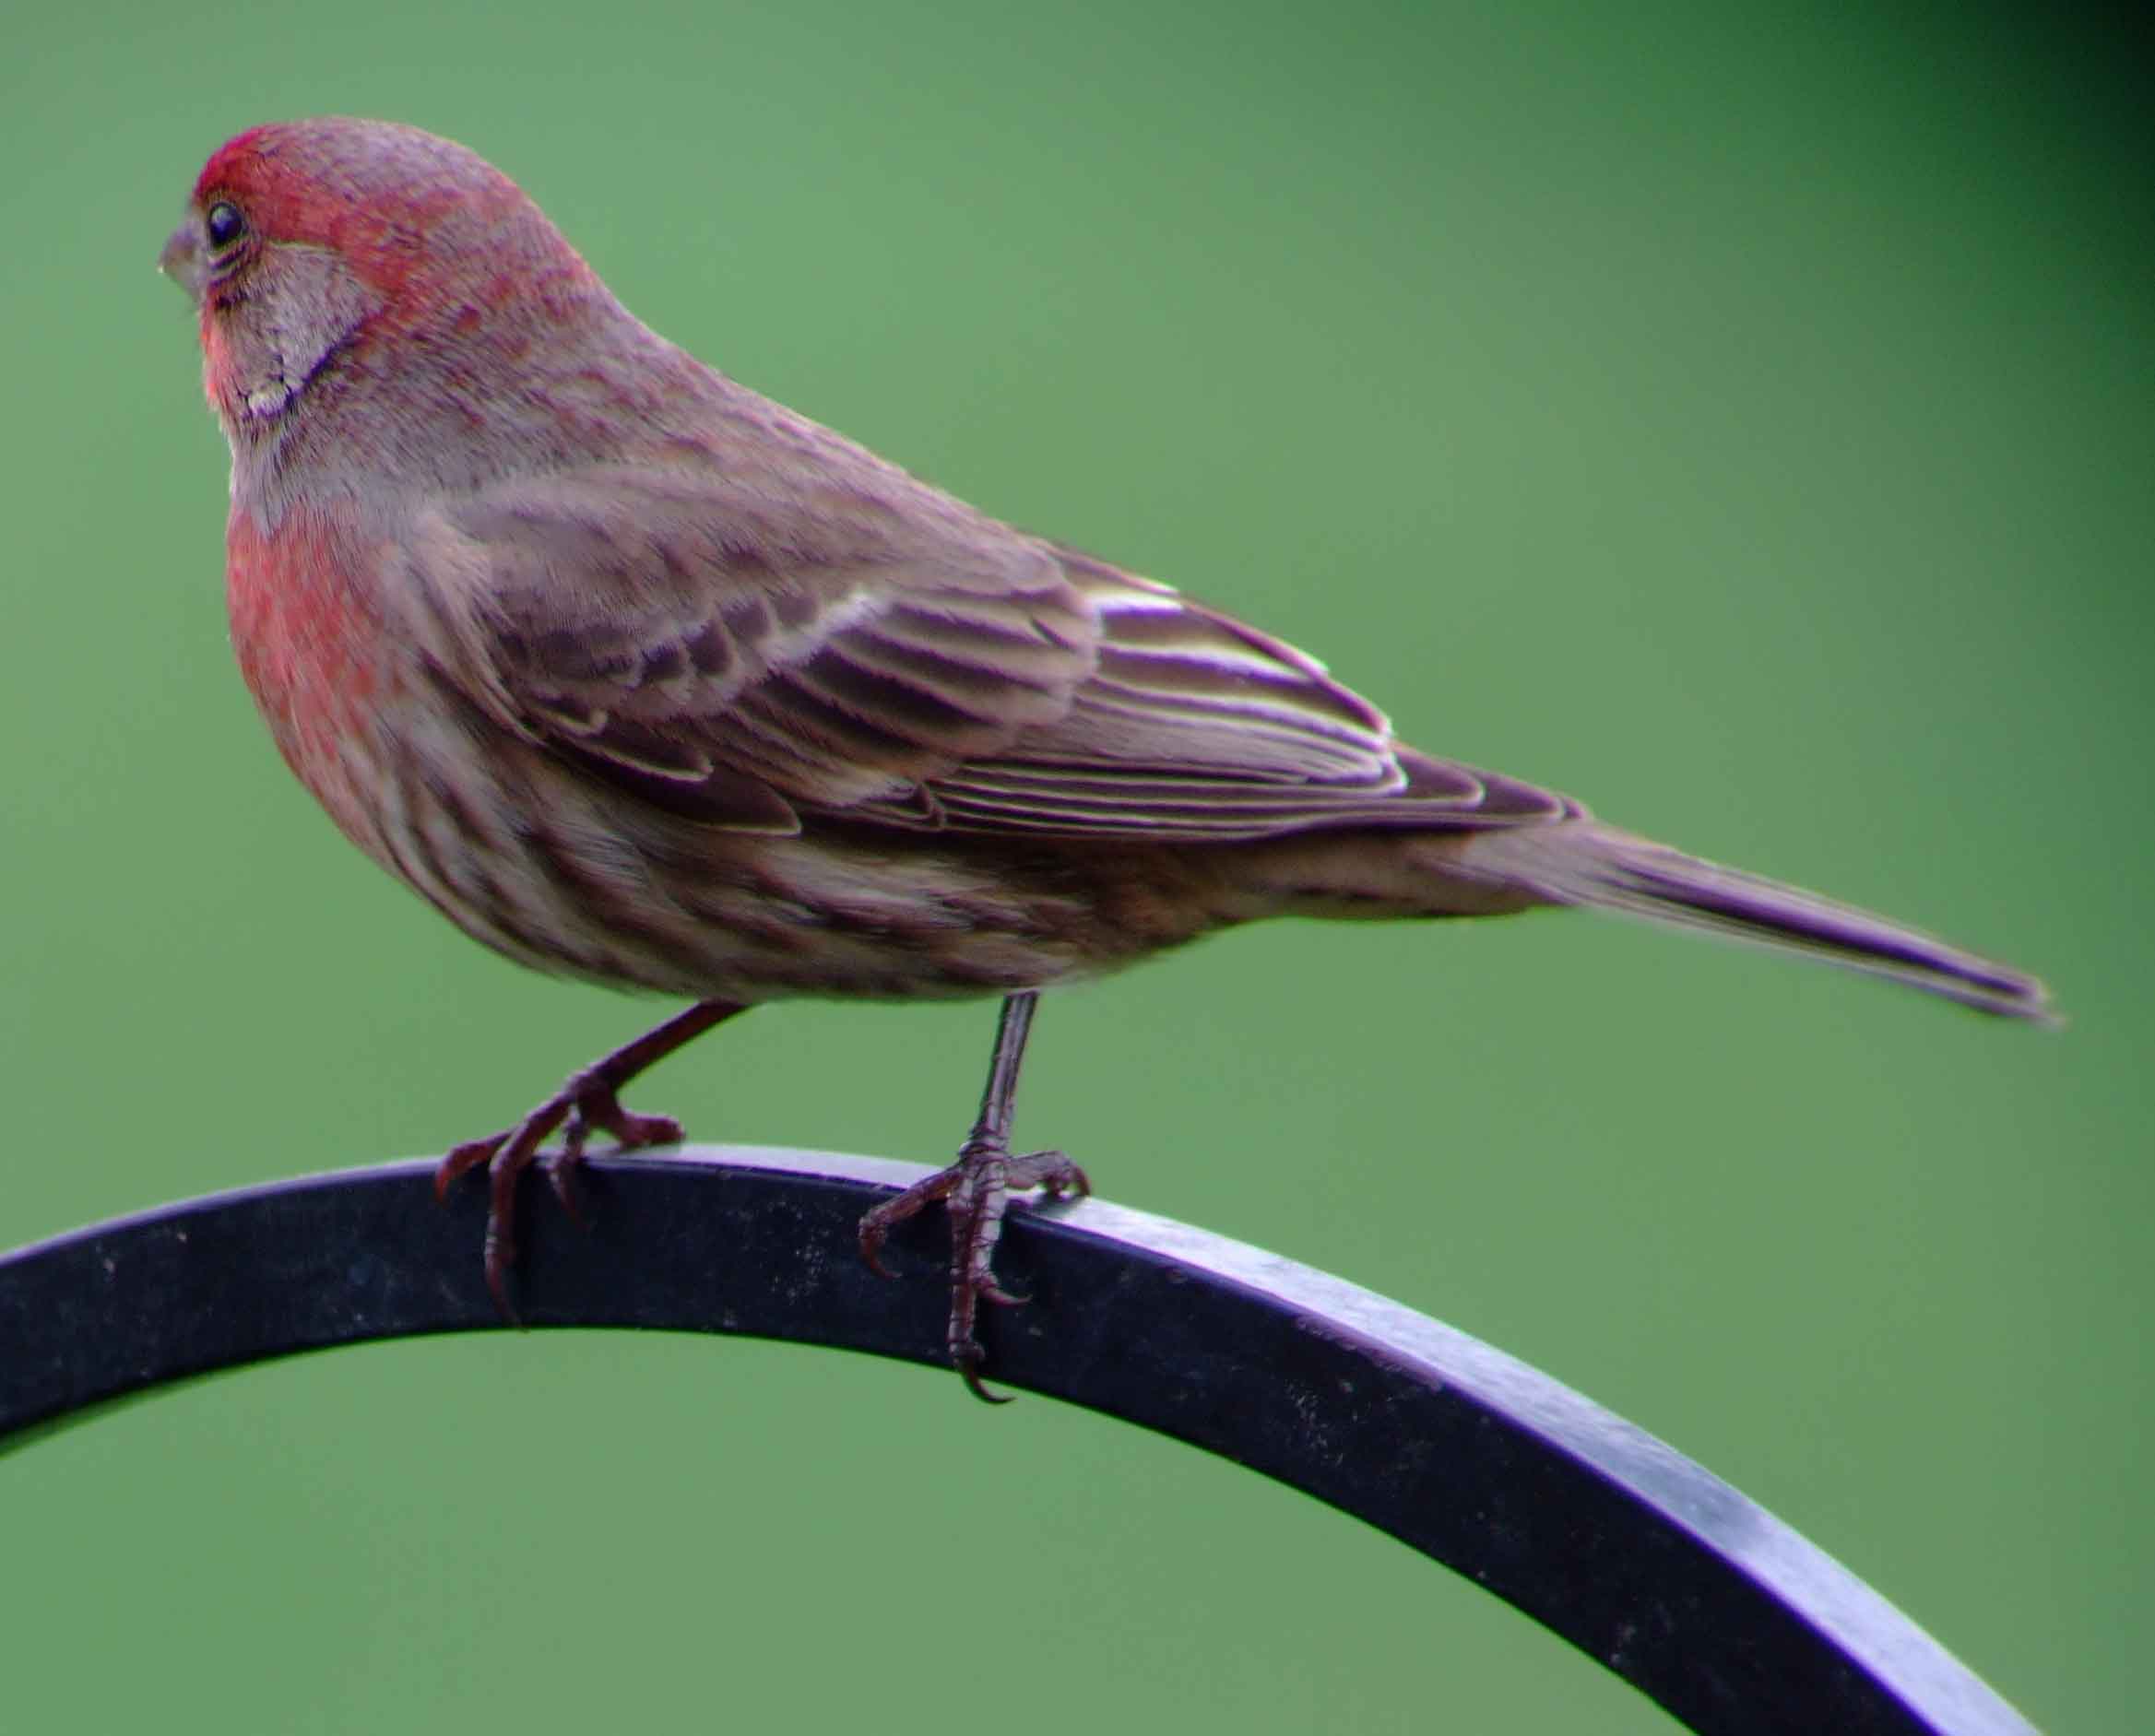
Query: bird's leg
pixel 975 1190
pixel 589 1102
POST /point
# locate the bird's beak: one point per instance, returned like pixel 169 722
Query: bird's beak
pixel 181 259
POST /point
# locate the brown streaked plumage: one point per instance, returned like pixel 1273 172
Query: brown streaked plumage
pixel 638 676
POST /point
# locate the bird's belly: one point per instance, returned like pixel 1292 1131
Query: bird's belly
pixel 536 863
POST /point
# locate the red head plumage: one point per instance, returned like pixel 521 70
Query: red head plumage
pixel 308 239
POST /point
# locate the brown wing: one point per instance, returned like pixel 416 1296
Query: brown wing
pixel 740 659
pixel 736 657
pixel 1194 726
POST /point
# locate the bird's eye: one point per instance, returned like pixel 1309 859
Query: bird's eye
pixel 223 224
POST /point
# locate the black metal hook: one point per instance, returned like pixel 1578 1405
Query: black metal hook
pixel 1683 1586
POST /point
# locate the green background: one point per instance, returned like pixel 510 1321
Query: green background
pixel 1741 422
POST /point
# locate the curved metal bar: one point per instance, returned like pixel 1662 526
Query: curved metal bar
pixel 1680 1585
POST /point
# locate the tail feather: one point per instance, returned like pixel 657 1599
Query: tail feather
pixel 1583 862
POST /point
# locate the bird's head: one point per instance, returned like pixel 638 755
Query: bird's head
pixel 307 243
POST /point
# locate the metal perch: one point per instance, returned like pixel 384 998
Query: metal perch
pixel 1683 1586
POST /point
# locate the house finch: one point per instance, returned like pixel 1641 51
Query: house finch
pixel 637 676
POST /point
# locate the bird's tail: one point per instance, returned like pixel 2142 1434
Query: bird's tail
pixel 1583 862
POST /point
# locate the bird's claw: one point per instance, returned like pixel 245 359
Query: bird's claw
pixel 976 1192
pixel 586 1104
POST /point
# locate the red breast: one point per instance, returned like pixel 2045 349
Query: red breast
pixel 307 627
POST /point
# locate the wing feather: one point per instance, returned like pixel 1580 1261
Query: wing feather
pixel 917 667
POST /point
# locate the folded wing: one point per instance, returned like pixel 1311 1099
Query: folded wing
pixel 744 654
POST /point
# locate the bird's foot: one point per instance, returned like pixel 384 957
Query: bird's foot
pixel 588 1105
pixel 975 1191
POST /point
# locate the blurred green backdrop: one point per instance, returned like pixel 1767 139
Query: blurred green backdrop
pixel 1742 422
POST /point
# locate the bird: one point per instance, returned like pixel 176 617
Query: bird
pixel 641 678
